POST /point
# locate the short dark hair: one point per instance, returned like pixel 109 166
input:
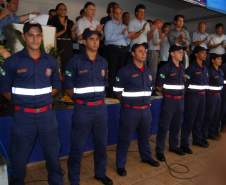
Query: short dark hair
pixel 138 7
pixel 178 16
pixel 125 13
pixel 88 33
pixel 89 3
pixel 81 11
pixel 218 25
pixel 110 6
pixel 51 10
pixel 213 56
pixel 58 6
pixel 28 26
pixel 137 45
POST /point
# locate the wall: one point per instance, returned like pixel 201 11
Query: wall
pixel 154 10
pixel 74 6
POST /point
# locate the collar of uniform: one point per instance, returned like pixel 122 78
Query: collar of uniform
pixel 85 56
pixel 24 53
pixel 139 69
pixel 197 65
pixel 172 64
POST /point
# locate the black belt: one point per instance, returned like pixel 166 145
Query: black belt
pixel 116 46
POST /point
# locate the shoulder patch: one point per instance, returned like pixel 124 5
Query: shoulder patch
pixel 117 79
pixel 2 72
pixel 162 76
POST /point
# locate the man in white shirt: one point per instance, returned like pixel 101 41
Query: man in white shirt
pixel 88 21
pixel 200 37
pixel 138 27
pixel 154 39
pixel 217 41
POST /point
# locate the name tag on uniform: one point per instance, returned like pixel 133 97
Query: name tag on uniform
pixel 173 74
pixel 83 71
pixel 198 72
pixel 21 70
pixel 216 77
pixel 135 75
pixel 48 72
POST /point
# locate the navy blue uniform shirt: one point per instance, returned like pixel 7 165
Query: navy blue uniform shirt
pixel 197 78
pixel 87 78
pixel 134 85
pixel 172 79
pixel 216 79
pixel 30 81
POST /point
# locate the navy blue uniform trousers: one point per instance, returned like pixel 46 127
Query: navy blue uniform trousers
pixel 85 121
pixel 211 126
pixel 171 118
pixel 193 118
pixel 27 128
pixel 132 120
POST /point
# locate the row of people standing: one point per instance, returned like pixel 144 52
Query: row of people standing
pixel 30 83
pixel 191 102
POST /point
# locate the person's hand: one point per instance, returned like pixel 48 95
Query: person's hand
pixel 125 31
pixel 65 25
pixel 32 15
pixel 4 53
pixel 100 27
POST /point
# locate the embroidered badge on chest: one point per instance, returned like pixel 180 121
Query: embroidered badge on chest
pixel 198 72
pixel 21 70
pixel 173 74
pixel 83 71
pixel 48 72
pixel 103 73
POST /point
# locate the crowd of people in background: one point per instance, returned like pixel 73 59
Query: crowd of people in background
pixel 144 57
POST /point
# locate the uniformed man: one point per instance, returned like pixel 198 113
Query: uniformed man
pixel 31 78
pixel 85 81
pixel 223 104
pixel 195 98
pixel 171 83
pixel 134 86
pixel 213 105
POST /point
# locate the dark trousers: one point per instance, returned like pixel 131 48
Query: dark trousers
pixel 223 108
pixel 133 120
pixel 116 58
pixel 171 118
pixel 211 125
pixel 193 118
pixel 85 121
pixel 27 128
pixel 65 49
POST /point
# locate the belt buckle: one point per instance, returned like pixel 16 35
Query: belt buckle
pixel 37 110
pixel 95 103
